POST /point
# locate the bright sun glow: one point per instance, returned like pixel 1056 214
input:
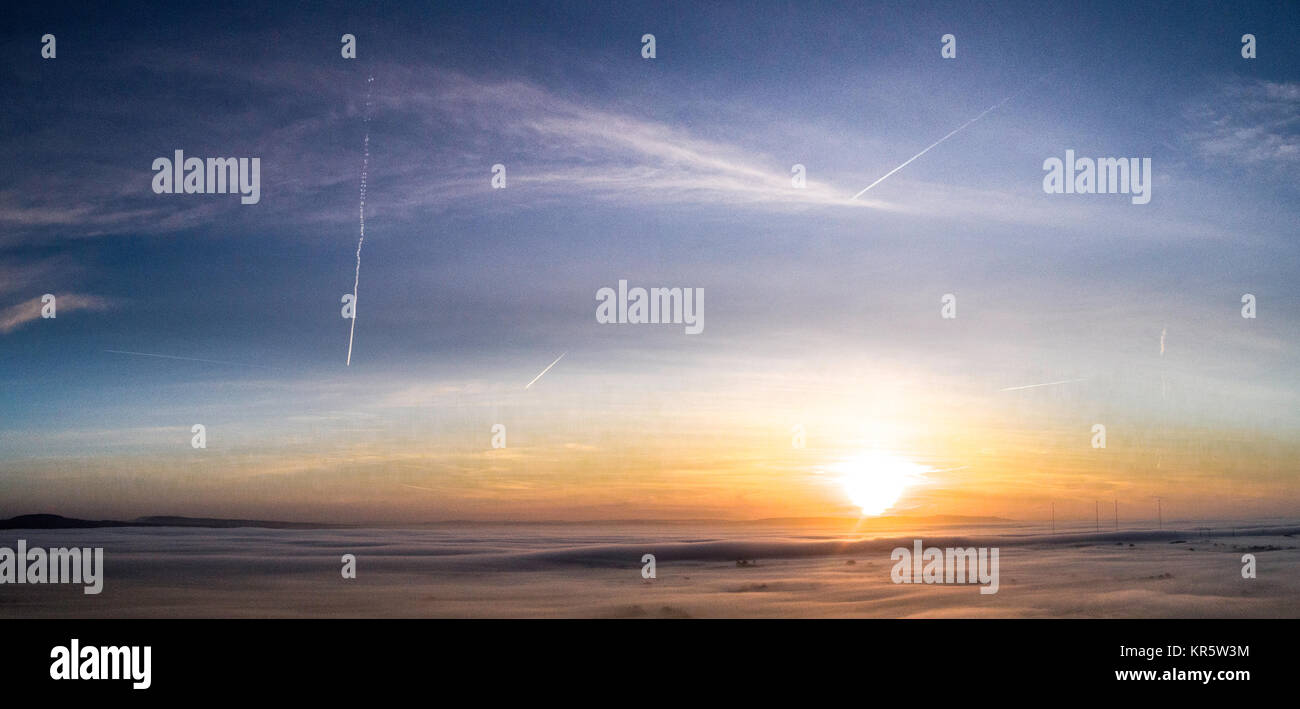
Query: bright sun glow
pixel 875 480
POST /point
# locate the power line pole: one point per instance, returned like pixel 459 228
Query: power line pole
pixel 1053 518
pixel 1096 508
pixel 1117 514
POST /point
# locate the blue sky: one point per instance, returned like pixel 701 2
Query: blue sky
pixel 666 172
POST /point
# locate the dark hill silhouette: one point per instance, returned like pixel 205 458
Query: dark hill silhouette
pixel 48 521
pixel 51 521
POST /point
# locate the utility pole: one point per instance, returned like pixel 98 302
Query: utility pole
pixel 1160 519
pixel 1096 509
pixel 1053 518
pixel 1117 514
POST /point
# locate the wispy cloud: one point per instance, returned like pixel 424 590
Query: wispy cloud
pixel 16 316
pixel 436 135
pixel 437 132
pixel 1256 122
pixel 18 275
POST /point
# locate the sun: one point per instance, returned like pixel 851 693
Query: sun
pixel 874 480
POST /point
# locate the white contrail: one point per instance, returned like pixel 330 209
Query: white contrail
pixel 1045 384
pixel 187 359
pixel 365 164
pixel 544 371
pixel 954 132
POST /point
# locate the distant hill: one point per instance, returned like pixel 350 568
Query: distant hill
pixel 49 521
pixel 212 522
pixel 56 522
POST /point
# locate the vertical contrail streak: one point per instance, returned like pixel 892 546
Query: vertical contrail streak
pixel 365 164
pixel 955 131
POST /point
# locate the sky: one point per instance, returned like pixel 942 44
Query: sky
pixel 822 312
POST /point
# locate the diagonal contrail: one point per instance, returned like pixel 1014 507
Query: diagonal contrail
pixel 1045 384
pixel 365 163
pixel 544 371
pixel 187 359
pixel 955 131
